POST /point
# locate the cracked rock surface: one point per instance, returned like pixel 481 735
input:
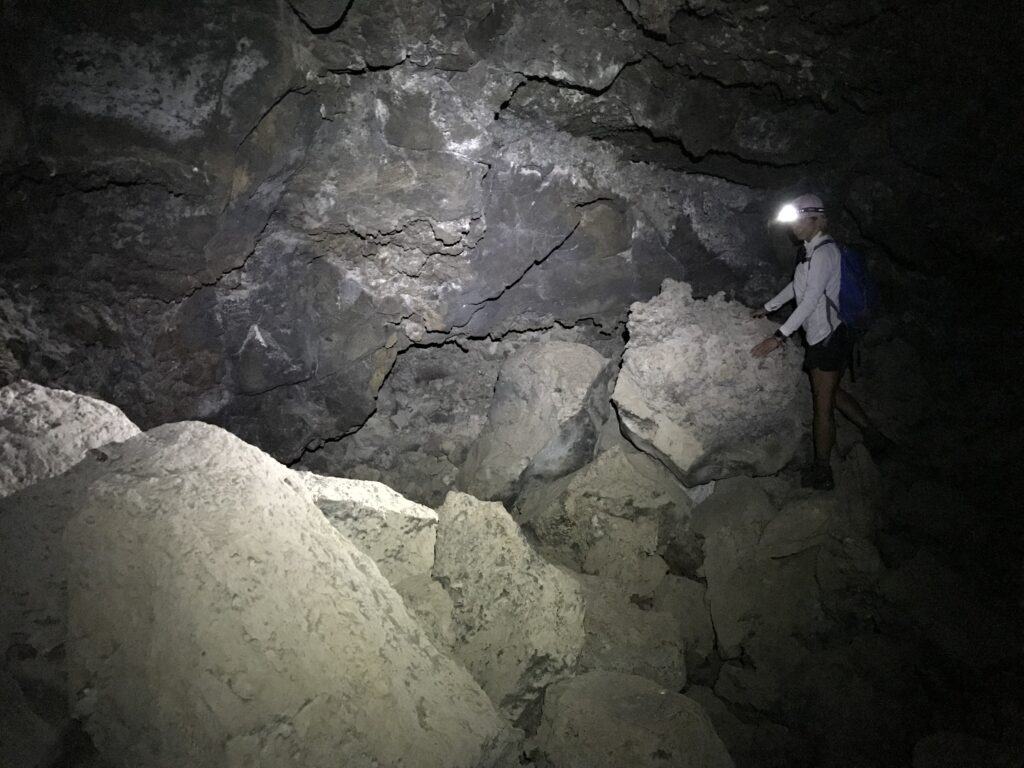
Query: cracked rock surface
pixel 690 393
pixel 247 600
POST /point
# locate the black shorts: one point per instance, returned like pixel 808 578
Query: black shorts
pixel 831 354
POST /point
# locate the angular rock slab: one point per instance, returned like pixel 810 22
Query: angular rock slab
pixel 397 534
pixel 691 394
pixel 44 432
pixel 621 637
pixel 605 518
pixel 549 402
pixel 217 618
pixel 518 619
pixel 611 720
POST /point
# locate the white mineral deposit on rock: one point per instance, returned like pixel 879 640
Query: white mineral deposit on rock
pixel 44 431
pixel 691 394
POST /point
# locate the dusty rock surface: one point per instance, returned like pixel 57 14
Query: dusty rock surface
pixel 609 720
pixel 686 600
pixel 397 534
pixel 225 589
pixel 605 518
pixel 623 637
pixel 549 402
pixel 44 431
pixel 690 393
pixel 518 619
pixel 33 580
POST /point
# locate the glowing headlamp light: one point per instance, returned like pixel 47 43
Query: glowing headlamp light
pixel 787 214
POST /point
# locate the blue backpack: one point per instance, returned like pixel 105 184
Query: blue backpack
pixel 858 292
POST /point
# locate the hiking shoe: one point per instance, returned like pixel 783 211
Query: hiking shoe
pixel 819 477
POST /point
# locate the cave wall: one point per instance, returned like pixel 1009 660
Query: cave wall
pixel 246 212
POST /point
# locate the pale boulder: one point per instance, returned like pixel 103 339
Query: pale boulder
pixel 237 627
pixel 691 394
pixel 44 432
pixel 397 534
pixel 606 518
pixel 518 619
pixel 549 402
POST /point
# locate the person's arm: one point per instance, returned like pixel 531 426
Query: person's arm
pixel 818 273
pixel 786 294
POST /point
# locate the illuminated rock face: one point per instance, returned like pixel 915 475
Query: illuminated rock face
pixel 691 394
pixel 202 573
pixel 548 406
pixel 44 432
pixel 518 619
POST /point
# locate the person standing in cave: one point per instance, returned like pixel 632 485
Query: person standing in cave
pixel 815 289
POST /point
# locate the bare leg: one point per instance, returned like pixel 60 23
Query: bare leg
pixel 823 391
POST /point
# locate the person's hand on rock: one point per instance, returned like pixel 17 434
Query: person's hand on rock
pixel 766 347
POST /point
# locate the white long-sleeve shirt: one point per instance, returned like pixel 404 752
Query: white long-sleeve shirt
pixel 814 283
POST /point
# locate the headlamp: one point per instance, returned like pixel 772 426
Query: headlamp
pixel 787 214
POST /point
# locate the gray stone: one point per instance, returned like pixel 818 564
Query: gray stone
pixel 33 584
pixel 605 518
pixel 226 590
pixel 622 637
pixel 549 402
pixel 518 619
pixel 396 533
pixel 691 394
pixel 44 432
pixel 610 720
pixel 429 603
pixel 686 600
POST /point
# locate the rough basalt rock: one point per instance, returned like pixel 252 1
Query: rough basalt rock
pixel 610 720
pixel 623 637
pixel 225 590
pixel 518 619
pixel 44 432
pixel 549 403
pixel 691 394
pixel 687 601
pixel 397 534
pixel 605 518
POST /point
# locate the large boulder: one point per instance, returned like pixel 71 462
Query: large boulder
pixel 518 619
pixel 397 534
pixel 691 394
pixel 610 720
pixel 237 627
pixel 623 637
pixel 605 518
pixel 33 579
pixel 549 402
pixel 44 432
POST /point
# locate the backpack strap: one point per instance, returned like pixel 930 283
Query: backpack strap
pixel 830 305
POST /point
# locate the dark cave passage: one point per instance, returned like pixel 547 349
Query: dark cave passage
pixel 376 385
